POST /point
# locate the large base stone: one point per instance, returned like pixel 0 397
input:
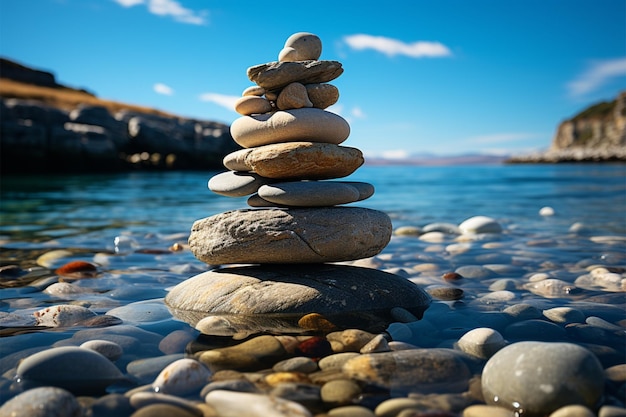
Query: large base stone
pixel 302 235
pixel 274 298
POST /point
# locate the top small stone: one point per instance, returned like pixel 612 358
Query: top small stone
pixel 301 46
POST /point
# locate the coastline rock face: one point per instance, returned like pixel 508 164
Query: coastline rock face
pixel 303 235
pixel 253 291
pixel 596 134
pixel 39 137
pixel 297 160
pixel 602 126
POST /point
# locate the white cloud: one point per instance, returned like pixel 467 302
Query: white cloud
pixel 161 88
pixel 597 74
pixel 391 47
pixel 129 3
pixel 169 8
pixel 220 99
pixel 358 113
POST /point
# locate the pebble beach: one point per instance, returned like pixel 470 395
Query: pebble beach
pixel 86 331
pixel 450 292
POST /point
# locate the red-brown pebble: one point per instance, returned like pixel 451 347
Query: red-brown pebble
pixel 452 276
pixel 315 347
pixel 77 269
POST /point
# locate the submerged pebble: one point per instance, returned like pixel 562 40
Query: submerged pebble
pixel 537 378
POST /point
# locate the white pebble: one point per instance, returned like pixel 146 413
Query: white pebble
pixel 62 315
pixel 482 342
pixel 546 211
pixel 182 377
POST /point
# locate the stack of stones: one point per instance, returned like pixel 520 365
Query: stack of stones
pixel 296 229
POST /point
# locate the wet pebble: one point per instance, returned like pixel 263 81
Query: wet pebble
pixel 482 342
pixel 480 410
pixel 237 404
pixel 538 330
pixel 340 392
pixel 351 411
pixel 298 364
pixel 307 395
pixel 420 369
pixel 182 377
pixel 506 284
pixel 540 377
pixel 142 399
pixel 239 385
pixel 480 224
pixel 42 402
pixel 377 344
pixel 278 378
pixel 253 354
pixel 141 312
pixel 394 406
pixel 160 410
pixel 336 361
pixel 551 288
pixel 61 289
pixel 573 411
pixel 81 371
pixel 176 341
pixel 474 272
pixel 145 370
pixel 112 405
pixel 522 312
pixel 350 340
pixel 445 293
pixel 110 350
pixel 63 315
pixel 564 315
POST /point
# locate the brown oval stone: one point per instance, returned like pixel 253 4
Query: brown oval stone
pixel 248 105
pixel 322 95
pixel 297 125
pixel 293 96
pixel 297 160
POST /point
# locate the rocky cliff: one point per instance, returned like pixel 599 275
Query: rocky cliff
pixel 48 127
pixel 596 134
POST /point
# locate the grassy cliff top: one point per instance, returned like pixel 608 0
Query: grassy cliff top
pixel 66 98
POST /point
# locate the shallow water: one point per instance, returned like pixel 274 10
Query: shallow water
pixel 134 227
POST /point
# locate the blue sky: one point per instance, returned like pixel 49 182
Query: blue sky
pixel 437 76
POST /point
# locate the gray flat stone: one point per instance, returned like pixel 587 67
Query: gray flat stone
pixel 250 299
pixel 276 75
pixel 309 193
pixel 300 235
pixel 236 184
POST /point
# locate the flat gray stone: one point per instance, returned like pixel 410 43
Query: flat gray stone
pixel 309 193
pixel 80 371
pixel 308 124
pixel 250 299
pixel 299 235
pixel 237 184
pixel 276 75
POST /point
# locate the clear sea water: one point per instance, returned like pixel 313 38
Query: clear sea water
pixel 128 224
pixel 89 211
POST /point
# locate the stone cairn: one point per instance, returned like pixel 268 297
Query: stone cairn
pixel 286 247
